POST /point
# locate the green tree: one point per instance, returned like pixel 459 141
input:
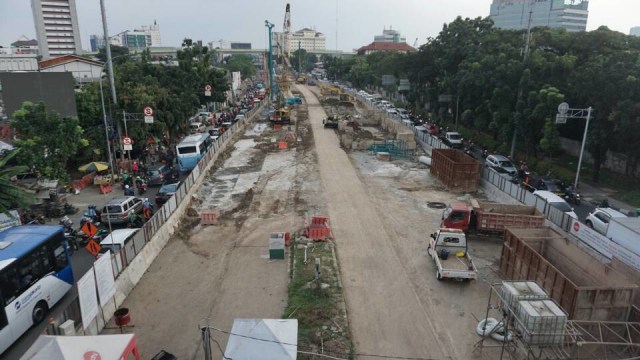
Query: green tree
pixel 550 142
pixel 46 140
pixel 12 196
pixel 116 51
pixel 241 63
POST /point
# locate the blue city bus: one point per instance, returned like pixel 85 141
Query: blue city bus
pixel 35 273
pixel 191 149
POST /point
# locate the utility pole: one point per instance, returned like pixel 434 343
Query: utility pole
pixel 107 48
pixel 271 88
pixel 525 58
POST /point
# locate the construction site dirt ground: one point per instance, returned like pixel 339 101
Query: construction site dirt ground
pixel 380 220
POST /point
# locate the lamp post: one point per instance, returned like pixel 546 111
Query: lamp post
pixel 106 127
pixel 565 112
pixel 271 89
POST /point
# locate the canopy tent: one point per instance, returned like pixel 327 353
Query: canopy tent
pixel 267 339
pixel 103 347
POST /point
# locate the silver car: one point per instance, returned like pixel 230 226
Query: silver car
pixel 501 164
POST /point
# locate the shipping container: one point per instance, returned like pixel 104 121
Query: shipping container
pixel 456 170
pixel 585 288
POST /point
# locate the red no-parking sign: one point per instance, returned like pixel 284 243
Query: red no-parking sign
pixel 148 115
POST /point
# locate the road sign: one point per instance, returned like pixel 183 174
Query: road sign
pixel 89 229
pixel 207 90
pixel 93 247
pixel 561 118
pixel 148 115
pixel 563 108
pixel 127 143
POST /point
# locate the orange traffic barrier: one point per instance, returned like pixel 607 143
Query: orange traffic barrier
pixel 283 145
pixel 208 218
pixel 105 189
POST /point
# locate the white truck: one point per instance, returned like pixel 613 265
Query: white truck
pixel 626 232
pixel 453 139
pixel 448 249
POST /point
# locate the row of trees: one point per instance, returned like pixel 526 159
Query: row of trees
pixel 498 92
pixel 49 144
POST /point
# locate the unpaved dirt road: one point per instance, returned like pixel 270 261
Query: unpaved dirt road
pixel 381 223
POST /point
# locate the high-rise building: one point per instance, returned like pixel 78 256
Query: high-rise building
pixel 390 35
pixel 57 30
pixel 566 14
pixel 145 37
pixel 635 31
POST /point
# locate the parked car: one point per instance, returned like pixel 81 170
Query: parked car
pixel 555 201
pixel 599 219
pixel 117 209
pixel 157 173
pixel 166 192
pixel 501 164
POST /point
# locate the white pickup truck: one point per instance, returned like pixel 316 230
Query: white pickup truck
pixel 448 249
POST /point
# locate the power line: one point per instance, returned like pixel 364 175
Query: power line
pixel 313 353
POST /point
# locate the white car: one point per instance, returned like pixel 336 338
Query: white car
pixel 556 201
pixel 501 164
pixel 197 127
pixel 598 220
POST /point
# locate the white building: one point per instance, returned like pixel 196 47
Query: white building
pixel 153 34
pixel 83 70
pixel 307 39
pixel 57 30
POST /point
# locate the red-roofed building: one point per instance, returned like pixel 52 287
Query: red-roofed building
pixel 378 46
pixel 84 70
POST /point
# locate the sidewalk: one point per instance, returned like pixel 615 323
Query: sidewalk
pixel 592 193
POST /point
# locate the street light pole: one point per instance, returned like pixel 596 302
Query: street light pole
pixel 107 47
pixel 271 88
pixel 565 112
pixel 584 141
pixel 106 128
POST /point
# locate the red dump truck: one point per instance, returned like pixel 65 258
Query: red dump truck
pixel 490 217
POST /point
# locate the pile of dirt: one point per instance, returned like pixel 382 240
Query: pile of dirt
pixel 330 102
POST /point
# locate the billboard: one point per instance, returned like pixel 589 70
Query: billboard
pixel 56 90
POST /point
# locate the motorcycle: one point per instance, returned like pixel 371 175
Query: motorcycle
pixel 69 209
pixel 142 188
pixel 92 215
pixel 572 197
pixel 128 191
pixel 70 234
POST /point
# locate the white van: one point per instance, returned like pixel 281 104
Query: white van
pixel 556 202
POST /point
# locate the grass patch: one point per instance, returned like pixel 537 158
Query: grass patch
pixel 321 314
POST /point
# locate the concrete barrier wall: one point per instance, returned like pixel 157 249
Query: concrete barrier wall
pixel 132 274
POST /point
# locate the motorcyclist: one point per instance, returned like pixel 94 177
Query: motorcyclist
pixel 141 184
pixel 147 208
pixel 128 191
pixel 134 220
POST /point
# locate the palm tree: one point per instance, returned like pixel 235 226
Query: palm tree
pixel 12 196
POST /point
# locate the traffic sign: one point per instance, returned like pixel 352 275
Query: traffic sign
pixel 207 90
pixel 561 118
pixel 127 143
pixel 89 229
pixel 93 247
pixel 148 115
pixel 563 108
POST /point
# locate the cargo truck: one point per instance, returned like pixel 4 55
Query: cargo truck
pixel 448 249
pixel 490 217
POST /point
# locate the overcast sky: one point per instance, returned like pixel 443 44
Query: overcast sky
pixel 243 20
